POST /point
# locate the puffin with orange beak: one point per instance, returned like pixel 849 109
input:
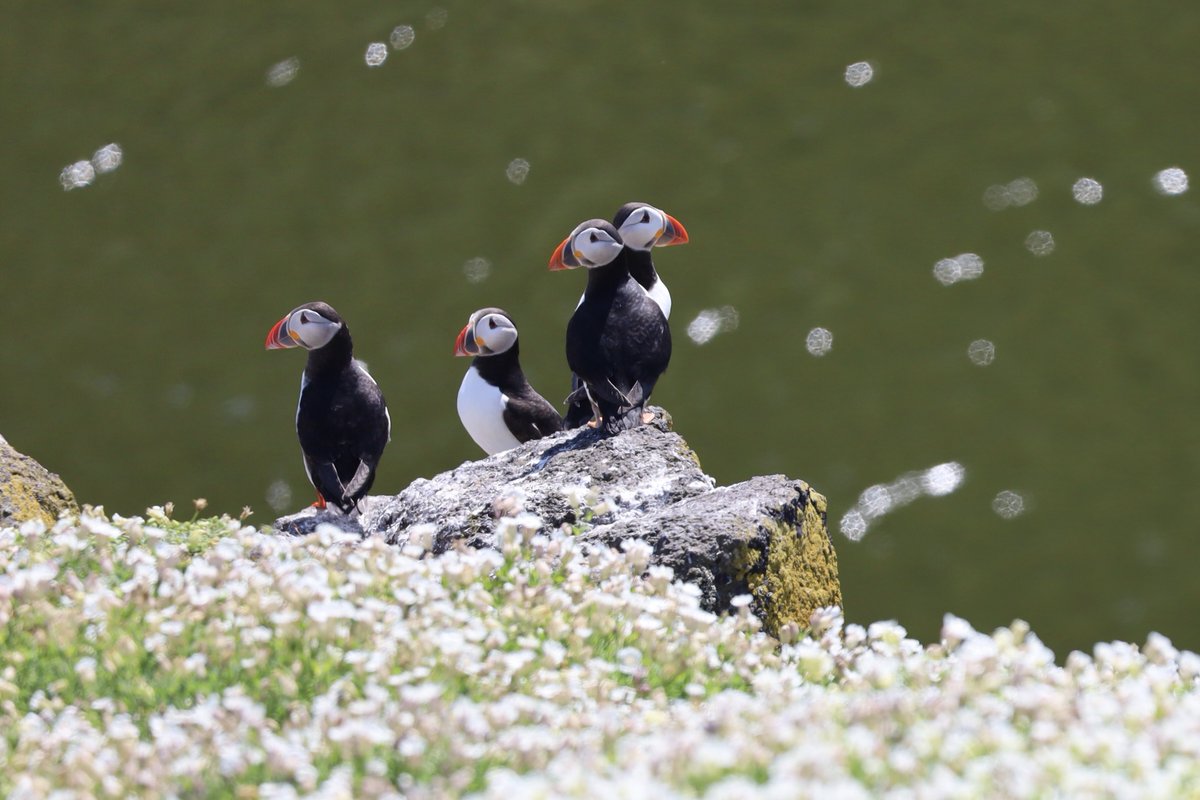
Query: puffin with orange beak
pixel 618 340
pixel 341 419
pixel 496 404
pixel 642 228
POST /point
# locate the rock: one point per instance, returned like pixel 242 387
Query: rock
pixel 30 491
pixel 309 519
pixel 642 470
pixel 765 537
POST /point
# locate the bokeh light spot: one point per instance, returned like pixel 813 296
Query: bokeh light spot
pixel 402 36
pixel 1040 243
pixel 1019 192
pixel 517 171
pixel 859 74
pixel 77 175
pixel 377 53
pixel 1008 504
pixel 279 496
pixel 853 525
pixel 1088 191
pixel 477 269
pixel 981 352
pixel 107 158
pixel 819 342
pixel 884 498
pixel 283 73
pixel 943 479
pixel 711 321
pixel 963 267
pixel 1171 181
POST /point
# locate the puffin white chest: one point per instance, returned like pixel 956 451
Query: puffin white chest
pixel 658 293
pixel 481 409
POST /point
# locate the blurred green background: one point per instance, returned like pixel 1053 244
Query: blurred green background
pixel 135 308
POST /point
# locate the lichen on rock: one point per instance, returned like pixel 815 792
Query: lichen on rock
pixel 30 491
pixel 800 571
pixel 764 537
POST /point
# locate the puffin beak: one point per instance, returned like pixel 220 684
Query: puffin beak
pixel 562 259
pixel 674 233
pixel 464 345
pixel 279 337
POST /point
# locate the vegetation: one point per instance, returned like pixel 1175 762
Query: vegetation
pixel 156 658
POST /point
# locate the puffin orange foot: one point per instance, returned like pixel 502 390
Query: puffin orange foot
pixel 594 422
pixel 320 504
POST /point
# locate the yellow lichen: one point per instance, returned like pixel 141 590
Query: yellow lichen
pixel 28 491
pixel 745 557
pixel 24 502
pixel 801 571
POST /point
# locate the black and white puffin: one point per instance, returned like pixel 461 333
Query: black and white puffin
pixel 642 228
pixel 618 340
pixel 649 228
pixel 341 419
pixel 496 404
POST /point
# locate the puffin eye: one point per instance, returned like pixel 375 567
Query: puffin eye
pixel 592 237
pixel 645 216
pixel 304 320
pixel 491 322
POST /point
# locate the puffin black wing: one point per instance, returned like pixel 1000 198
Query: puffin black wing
pixel 530 416
pixel 343 425
pixel 619 346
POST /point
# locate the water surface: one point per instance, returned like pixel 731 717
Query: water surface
pixel 135 308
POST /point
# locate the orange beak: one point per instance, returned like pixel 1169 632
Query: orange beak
pixel 461 343
pixel 558 260
pixel 277 337
pixel 674 233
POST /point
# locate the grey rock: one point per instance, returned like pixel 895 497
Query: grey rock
pixel 30 491
pixel 765 537
pixel 645 469
pixel 307 521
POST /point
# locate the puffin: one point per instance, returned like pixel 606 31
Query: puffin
pixel 618 341
pixel 496 404
pixel 342 419
pixel 642 227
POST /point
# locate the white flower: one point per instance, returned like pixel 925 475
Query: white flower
pixel 85 668
pixel 955 630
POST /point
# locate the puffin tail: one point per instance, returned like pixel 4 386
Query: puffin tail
pixel 355 492
pixel 622 419
pixel 579 407
pixel 625 415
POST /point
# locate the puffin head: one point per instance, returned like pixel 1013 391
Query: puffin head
pixel 592 244
pixel 489 332
pixel 311 326
pixel 643 226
